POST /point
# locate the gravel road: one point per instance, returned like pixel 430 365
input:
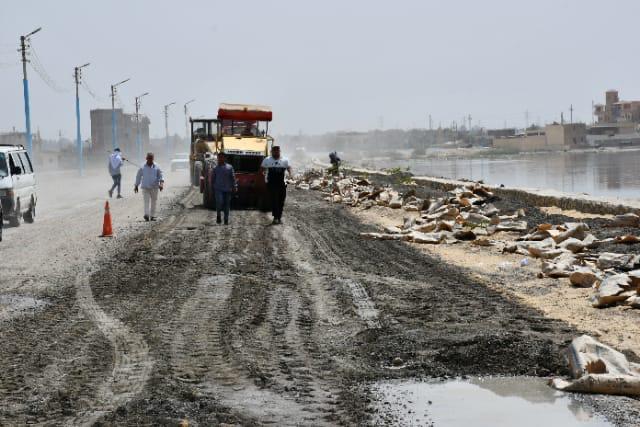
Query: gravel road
pixel 249 324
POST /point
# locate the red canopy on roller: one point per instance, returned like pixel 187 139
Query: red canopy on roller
pixel 245 112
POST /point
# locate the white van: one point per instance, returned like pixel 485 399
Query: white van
pixel 17 185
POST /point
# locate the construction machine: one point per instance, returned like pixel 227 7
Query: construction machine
pixel 242 133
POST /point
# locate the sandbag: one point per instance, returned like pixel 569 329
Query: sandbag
pixel 381 236
pixel 577 231
pixel 426 228
pixel 430 238
pixel 512 226
pixel 611 290
pixel 562 266
pixel 583 277
pixel 572 244
pixel 612 260
pixel 625 220
pixel 392 230
pixel 598 368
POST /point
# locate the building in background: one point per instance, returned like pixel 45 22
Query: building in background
pixel 618 122
pixel 101 138
pixel 556 136
pixel 620 114
pixel 13 138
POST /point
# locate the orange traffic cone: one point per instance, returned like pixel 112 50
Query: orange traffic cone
pixel 107 231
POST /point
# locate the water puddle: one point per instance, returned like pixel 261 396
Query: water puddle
pixel 15 305
pixel 480 402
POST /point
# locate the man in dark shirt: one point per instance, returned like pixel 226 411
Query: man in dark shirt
pixel 224 183
pixel 276 166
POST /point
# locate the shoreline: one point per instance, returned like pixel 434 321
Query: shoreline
pixel 535 196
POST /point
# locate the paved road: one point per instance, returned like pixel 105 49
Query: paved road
pixel 68 222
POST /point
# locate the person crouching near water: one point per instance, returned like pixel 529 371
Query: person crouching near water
pixel 224 183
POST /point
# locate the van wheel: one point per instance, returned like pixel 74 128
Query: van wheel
pixel 30 215
pixel 14 220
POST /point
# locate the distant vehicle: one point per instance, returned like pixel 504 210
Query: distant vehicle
pixel 242 133
pixel 180 161
pixel 17 185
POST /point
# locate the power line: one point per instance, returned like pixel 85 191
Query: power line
pixel 85 85
pixel 39 68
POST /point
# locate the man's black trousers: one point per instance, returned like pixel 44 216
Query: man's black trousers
pixel 278 194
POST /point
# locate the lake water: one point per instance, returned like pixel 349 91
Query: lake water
pixel 611 174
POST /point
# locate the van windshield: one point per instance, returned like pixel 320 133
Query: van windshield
pixel 4 171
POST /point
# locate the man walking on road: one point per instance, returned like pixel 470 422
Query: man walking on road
pixel 276 166
pixel 115 163
pixel 150 179
pixel 224 182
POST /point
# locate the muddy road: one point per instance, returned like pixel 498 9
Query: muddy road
pixel 253 324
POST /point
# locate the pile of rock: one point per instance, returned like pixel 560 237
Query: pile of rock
pixel 466 214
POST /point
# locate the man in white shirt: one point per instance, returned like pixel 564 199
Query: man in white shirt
pixel 276 166
pixel 115 163
pixel 150 179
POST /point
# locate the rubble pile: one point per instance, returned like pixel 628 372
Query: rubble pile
pixel 567 250
pixel 466 214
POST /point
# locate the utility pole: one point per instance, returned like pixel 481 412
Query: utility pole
pixel 571 114
pixel 469 122
pixel 562 117
pixel 186 120
pixel 77 75
pixel 138 139
pixel 526 120
pixel 25 85
pixel 166 129
pixel 114 128
pixel 430 123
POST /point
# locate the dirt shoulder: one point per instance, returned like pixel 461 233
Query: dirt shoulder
pixel 504 273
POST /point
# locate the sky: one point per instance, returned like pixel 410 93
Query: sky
pixel 322 65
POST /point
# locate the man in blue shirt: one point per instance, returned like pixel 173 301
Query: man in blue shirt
pixel 224 183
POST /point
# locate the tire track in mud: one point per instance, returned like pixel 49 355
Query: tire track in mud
pixel 132 364
pixel 342 272
pixel 238 337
